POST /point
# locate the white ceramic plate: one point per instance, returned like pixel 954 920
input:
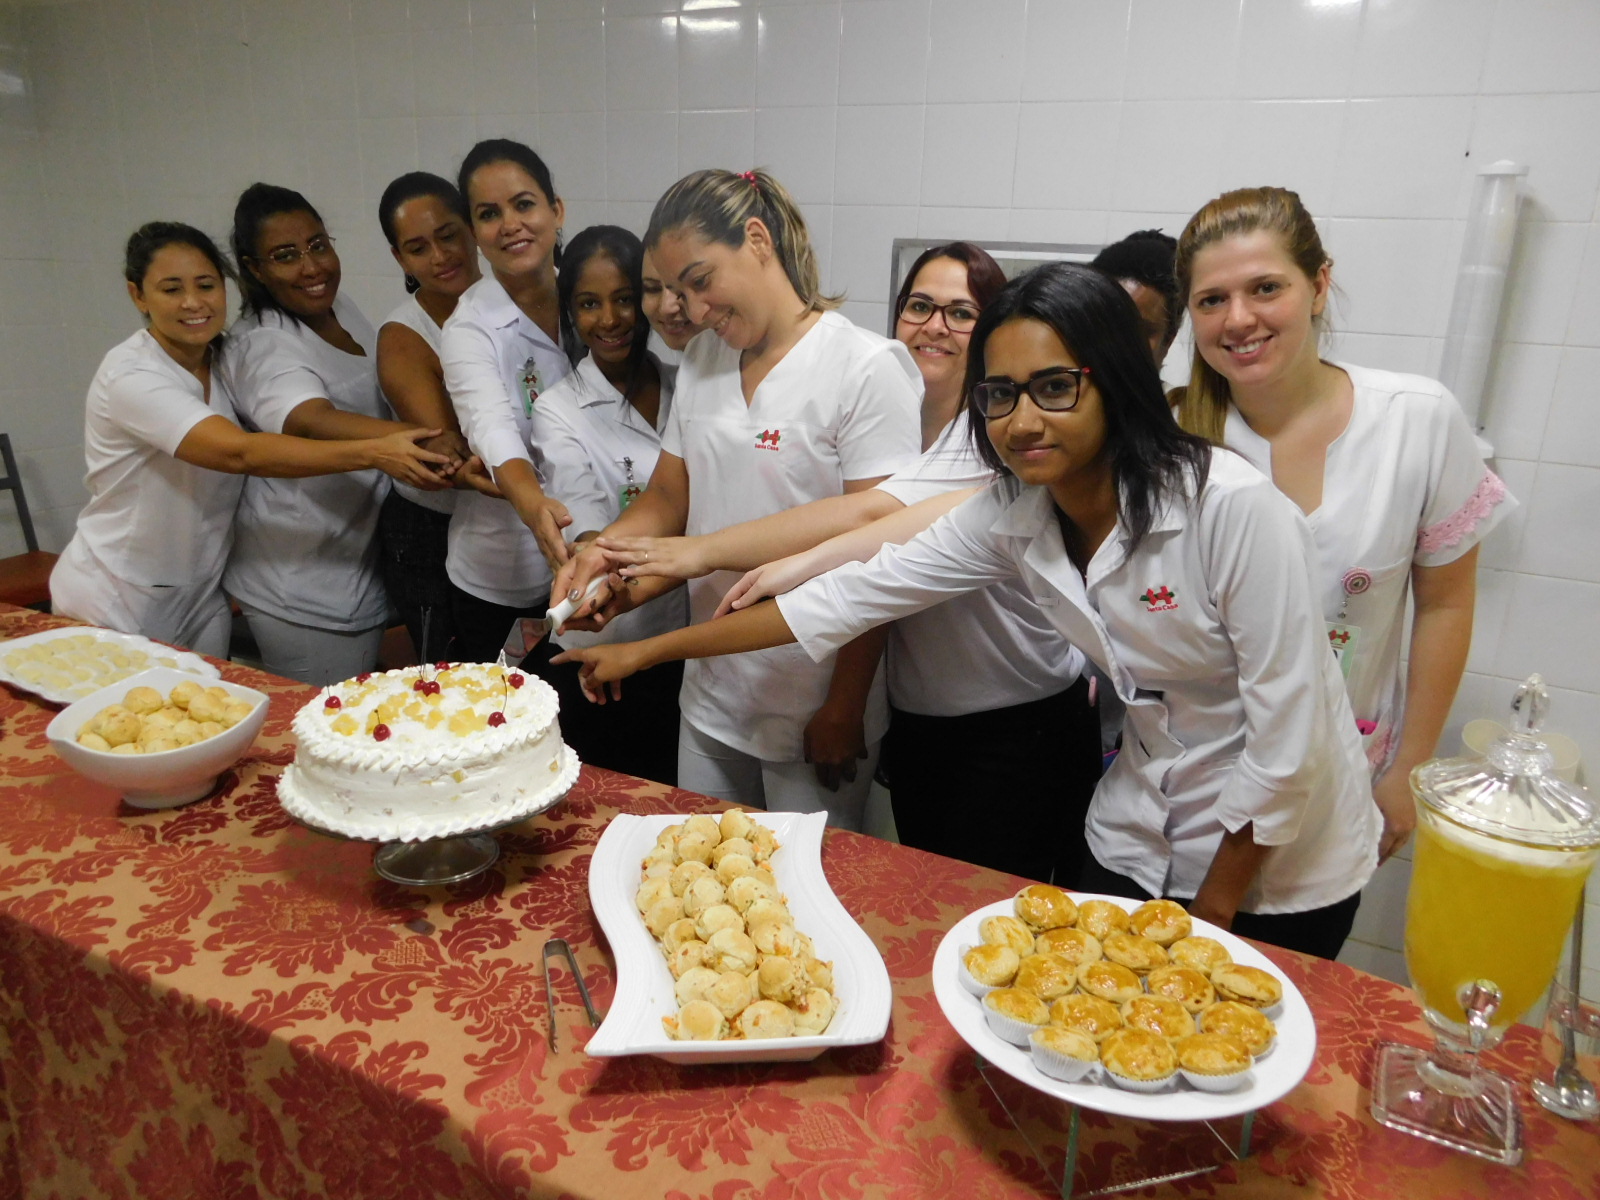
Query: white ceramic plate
pixel 1272 1077
pixel 179 660
pixel 644 985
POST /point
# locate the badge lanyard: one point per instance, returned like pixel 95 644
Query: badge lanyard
pixel 1343 637
pixel 631 490
pixel 531 385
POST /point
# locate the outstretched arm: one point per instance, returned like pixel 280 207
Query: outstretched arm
pixel 217 444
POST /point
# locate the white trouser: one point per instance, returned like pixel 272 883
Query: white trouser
pixel 194 616
pixel 714 768
pixel 319 656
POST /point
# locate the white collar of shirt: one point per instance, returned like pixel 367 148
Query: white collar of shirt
pixel 500 311
pixel 1034 511
pixel 594 388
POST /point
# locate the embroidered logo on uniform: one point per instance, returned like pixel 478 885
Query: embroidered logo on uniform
pixel 768 439
pixel 1161 599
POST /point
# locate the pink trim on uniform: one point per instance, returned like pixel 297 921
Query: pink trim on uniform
pixel 1446 533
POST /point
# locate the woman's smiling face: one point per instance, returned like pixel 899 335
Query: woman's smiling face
pixel 940 352
pixel 1253 308
pixel 721 285
pixel 665 309
pixel 515 223
pixel 434 246
pixel 1039 447
pixel 306 280
pixel 184 296
pixel 605 311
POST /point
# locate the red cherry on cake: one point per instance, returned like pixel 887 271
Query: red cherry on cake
pixel 514 679
pixel 420 685
pixel 441 666
pixel 380 733
pixel 496 719
pixel 432 688
pixel 364 676
pixel 331 702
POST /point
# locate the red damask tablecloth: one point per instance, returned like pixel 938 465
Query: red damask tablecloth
pixel 217 1002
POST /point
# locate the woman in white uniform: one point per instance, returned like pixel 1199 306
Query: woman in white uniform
pixel 985 695
pixel 304 566
pixel 1180 571
pixel 425 223
pixel 501 351
pixel 780 402
pixel 1384 465
pixel 166 456
pixel 596 437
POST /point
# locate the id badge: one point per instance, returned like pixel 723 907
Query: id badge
pixel 1342 641
pixel 629 493
pixel 532 383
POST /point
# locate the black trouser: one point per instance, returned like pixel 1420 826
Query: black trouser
pixel 1318 931
pixel 1008 788
pixel 637 735
pixel 482 626
pixel 412 541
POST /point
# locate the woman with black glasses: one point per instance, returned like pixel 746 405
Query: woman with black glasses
pixel 985 696
pixel 1182 572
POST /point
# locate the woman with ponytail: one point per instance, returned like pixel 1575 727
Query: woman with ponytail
pixel 166 456
pixel 1384 466
pixel 424 220
pixel 781 402
pixel 502 349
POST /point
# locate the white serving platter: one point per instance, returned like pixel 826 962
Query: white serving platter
pixel 1271 1078
pixel 178 660
pixel 645 987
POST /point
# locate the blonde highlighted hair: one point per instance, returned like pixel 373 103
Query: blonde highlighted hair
pixel 1203 408
pixel 717 204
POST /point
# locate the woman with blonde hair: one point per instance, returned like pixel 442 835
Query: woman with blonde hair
pixel 1384 465
pixel 786 403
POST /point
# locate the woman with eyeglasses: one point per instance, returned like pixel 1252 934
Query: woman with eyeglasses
pixel 985 696
pixel 304 566
pixel 424 220
pixel 785 403
pixel 1384 465
pixel 502 350
pixel 1182 572
pixel 166 457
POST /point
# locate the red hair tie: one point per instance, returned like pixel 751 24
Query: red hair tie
pixel 750 178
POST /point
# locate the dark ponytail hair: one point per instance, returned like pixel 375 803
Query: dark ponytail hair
pixel 627 251
pixel 716 204
pixel 256 204
pixel 1100 325
pixel 414 185
pixel 147 240
pixel 493 150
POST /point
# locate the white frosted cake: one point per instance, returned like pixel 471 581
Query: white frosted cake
pixel 427 752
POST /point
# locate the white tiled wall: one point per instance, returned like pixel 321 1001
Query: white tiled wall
pixel 1066 120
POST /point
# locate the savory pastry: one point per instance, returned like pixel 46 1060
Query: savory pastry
pixel 685 956
pixel 1040 906
pixel 1159 1015
pixel 704 825
pixel 767 909
pixel 812 1011
pixel 1074 944
pixel 1250 1025
pixel 1137 1056
pixel 732 992
pixel 747 889
pixel 715 919
pixel 729 846
pixel 1162 921
pixel 694 847
pixel 730 950
pixel 1100 917
pixel 1183 984
pixel 693 984
pixel 686 873
pixel 1213 1054
pixel 1014 1014
pixel 662 914
pixel 1110 981
pixel 731 866
pixel 698 1021
pixel 1007 931
pixel 1088 1014
pixel 1047 976
pixel 702 894
pixel 677 933
pixel 1203 954
pixel 1139 954
pixel 143 700
pixel 775 937
pixel 1248 985
pixel 1063 1053
pixel 766 1019
pixel 992 966
pixel 735 824
pixel 780 978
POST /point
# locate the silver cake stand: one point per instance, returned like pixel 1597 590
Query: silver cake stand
pixel 449 852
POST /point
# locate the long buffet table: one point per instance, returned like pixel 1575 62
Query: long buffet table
pixel 215 1001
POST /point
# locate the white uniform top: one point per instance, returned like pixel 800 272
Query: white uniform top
pixel 1404 486
pixel 1210 632
pixel 984 650
pixel 496 362
pixel 152 519
pixel 304 549
pixel 415 318
pixel 595 452
pixel 842 405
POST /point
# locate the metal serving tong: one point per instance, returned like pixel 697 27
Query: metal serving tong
pixel 559 946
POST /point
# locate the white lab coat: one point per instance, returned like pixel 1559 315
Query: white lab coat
pixel 1210 632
